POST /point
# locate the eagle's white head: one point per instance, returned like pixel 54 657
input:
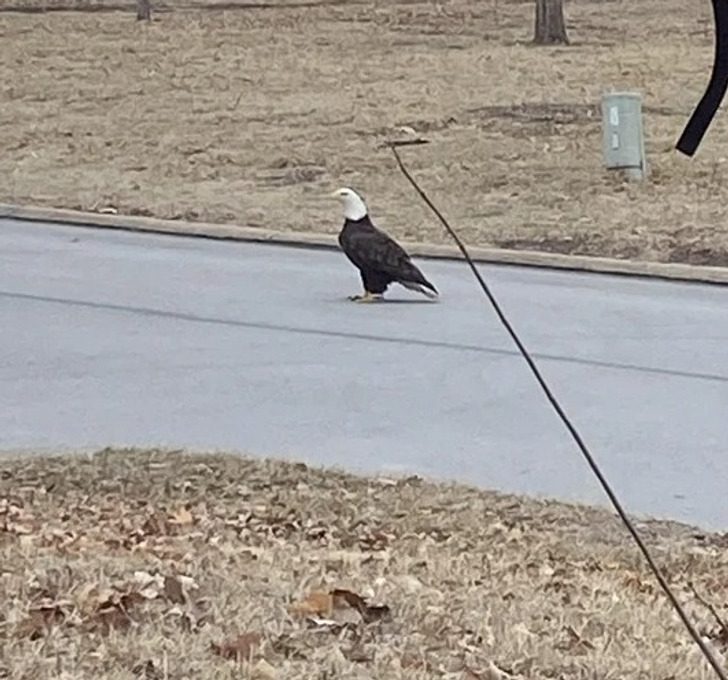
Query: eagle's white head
pixel 353 204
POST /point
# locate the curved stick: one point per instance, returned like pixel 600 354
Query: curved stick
pixel 705 110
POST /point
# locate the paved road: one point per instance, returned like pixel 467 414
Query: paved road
pixel 119 338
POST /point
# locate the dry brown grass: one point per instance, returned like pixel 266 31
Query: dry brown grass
pixel 252 115
pixel 474 581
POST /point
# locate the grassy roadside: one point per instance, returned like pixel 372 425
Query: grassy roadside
pixel 252 116
pixel 148 564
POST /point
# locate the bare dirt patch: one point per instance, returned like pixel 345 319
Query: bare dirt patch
pixel 144 564
pixel 251 112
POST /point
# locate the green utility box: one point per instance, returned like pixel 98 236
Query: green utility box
pixel 623 139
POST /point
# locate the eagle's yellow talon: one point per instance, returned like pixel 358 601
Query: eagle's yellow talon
pixel 367 297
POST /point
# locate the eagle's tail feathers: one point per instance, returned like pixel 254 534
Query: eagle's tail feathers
pixel 432 294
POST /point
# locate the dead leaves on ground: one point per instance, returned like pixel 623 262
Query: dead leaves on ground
pixel 182 517
pixel 95 608
pixel 147 671
pixel 15 520
pixel 314 604
pixel 718 634
pixel 240 648
pixel 117 528
pixel 159 523
pixel 173 590
pixel 369 613
pixel 41 618
pixel 100 609
pixel 254 537
pixel 575 643
pixel 491 672
pixel 244 648
pixel 337 608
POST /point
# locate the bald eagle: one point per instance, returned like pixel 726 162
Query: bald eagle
pixel 379 258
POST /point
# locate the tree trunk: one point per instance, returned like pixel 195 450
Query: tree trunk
pixel 550 24
pixel 144 10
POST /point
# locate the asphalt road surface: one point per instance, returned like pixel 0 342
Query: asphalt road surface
pixel 115 338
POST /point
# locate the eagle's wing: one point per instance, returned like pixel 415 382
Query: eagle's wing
pixel 373 250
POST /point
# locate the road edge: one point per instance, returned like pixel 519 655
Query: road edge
pixel 501 256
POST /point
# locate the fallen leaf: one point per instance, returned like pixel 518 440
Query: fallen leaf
pixel 334 626
pixel 151 592
pixel 320 622
pixel 187 619
pixel 188 583
pixel 155 525
pixel 290 647
pixel 109 618
pixel 347 615
pixel 410 661
pixel 85 599
pixel 112 610
pixel 147 671
pixel 374 541
pixel 410 583
pixel 575 643
pixel 368 612
pixel 38 621
pixel 495 673
pixel 128 600
pixel 316 603
pixel 240 648
pixel 44 615
pixel 173 590
pixel 149 586
pixel 31 627
pixel 640 585
pixel 264 671
pixel 182 517
pixel 144 578
pixel 347 597
pixel 358 654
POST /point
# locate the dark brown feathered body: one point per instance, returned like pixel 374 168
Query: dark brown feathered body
pixel 380 259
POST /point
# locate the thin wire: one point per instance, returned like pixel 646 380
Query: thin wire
pixel 567 422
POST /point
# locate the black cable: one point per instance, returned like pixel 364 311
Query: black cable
pixel 567 422
pixel 709 103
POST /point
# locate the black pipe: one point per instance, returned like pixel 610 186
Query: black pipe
pixel 704 112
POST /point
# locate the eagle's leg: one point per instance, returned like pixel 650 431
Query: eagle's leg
pixel 374 285
pixel 367 297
